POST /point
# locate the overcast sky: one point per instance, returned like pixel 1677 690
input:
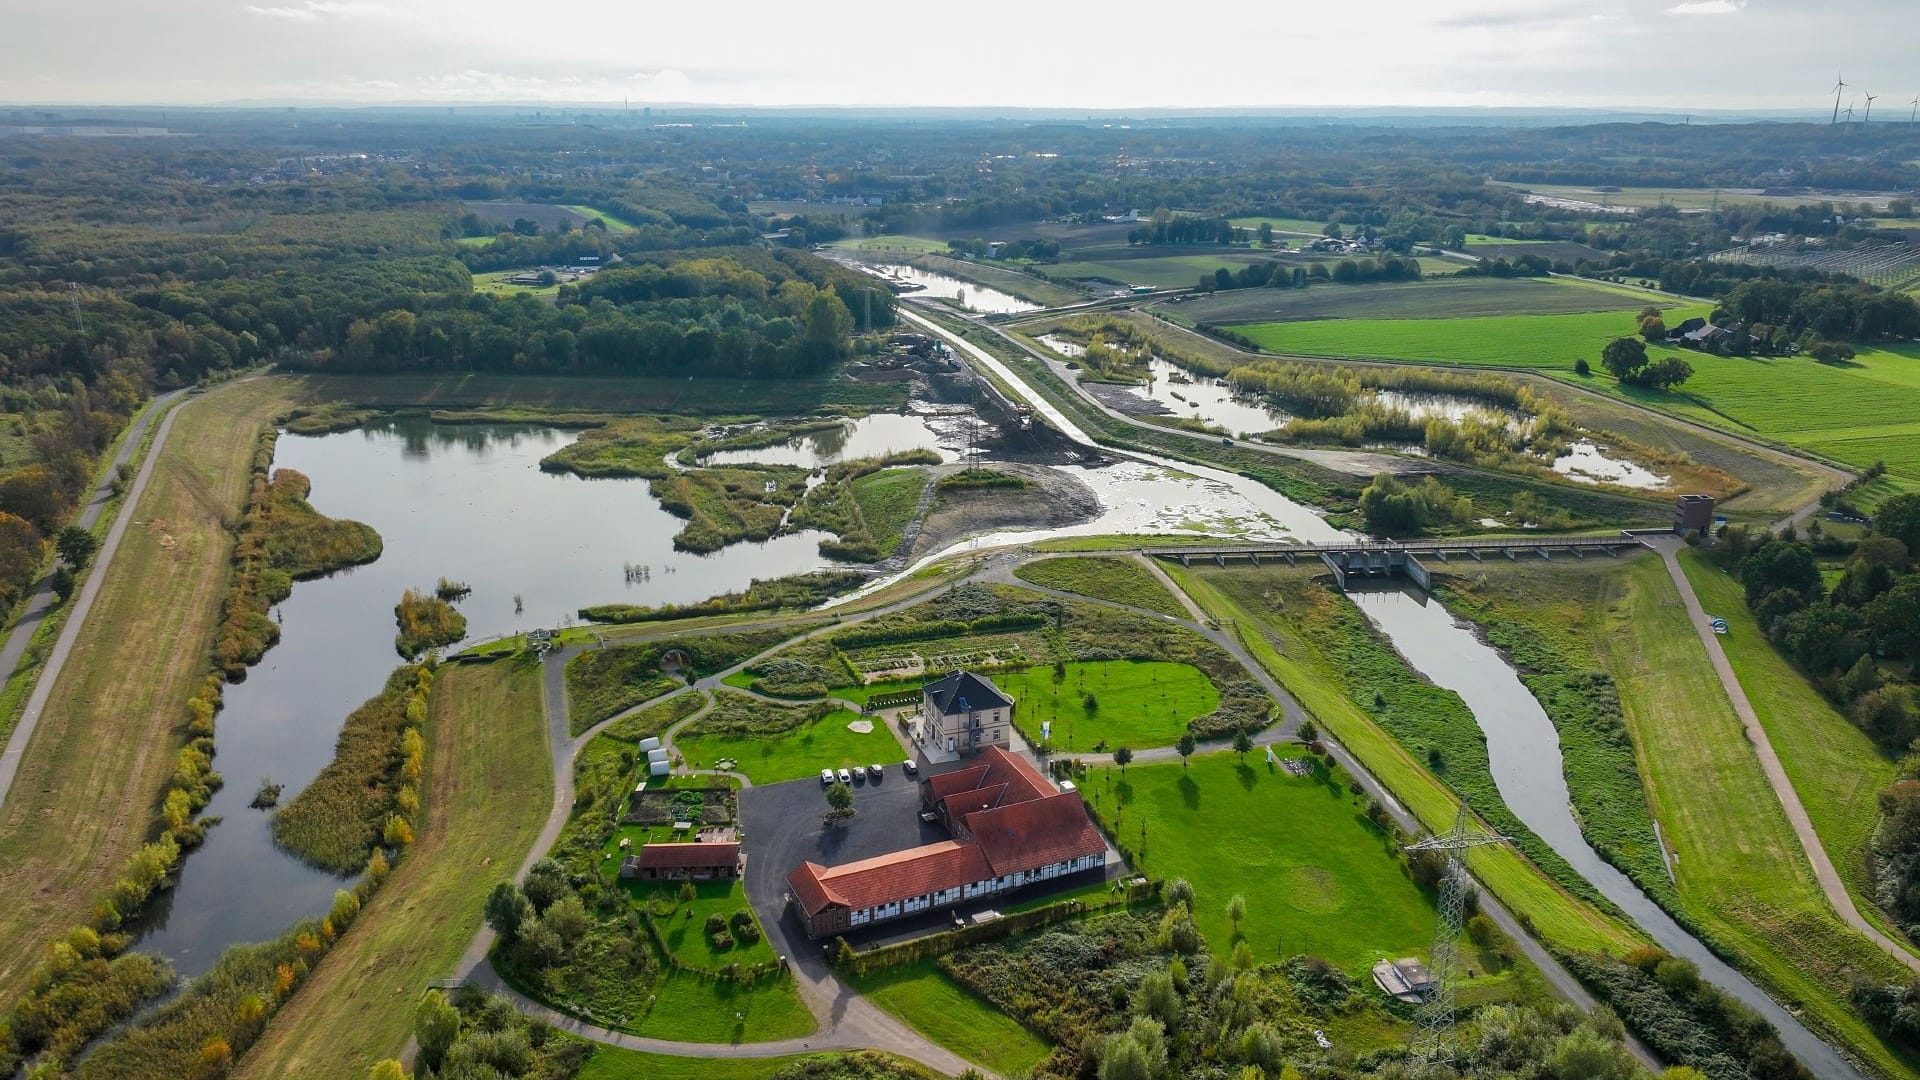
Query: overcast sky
pixel 1665 54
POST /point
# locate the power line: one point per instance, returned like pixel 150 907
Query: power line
pixel 1436 1040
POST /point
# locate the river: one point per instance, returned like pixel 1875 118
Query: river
pixel 1524 750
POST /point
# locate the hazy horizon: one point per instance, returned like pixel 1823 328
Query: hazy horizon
pixel 1664 56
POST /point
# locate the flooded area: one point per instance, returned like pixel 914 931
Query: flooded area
pixel 967 294
pixel 874 435
pixel 534 546
pixel 1588 460
pixel 1524 751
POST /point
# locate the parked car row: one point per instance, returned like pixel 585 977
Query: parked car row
pixel 873 772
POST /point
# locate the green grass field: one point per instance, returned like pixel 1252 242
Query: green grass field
pixel 887 500
pixel 1483 240
pixel 1858 413
pixel 924 998
pixel 1141 703
pixel 1743 880
pixel 1169 271
pixel 1441 298
pixel 1318 878
pixel 1835 769
pixel 495 282
pixel 619 1063
pixel 826 743
pixel 685 930
pixel 1557 916
pixel 1121 580
pixel 1282 224
pixel 910 244
pixel 614 224
pixel 690 1008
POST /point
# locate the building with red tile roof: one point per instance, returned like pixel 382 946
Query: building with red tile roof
pixel 1011 828
pixel 693 860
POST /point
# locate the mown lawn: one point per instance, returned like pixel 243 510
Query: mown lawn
pixel 924 998
pixel 1317 876
pixel 1835 769
pixel 1137 703
pixel 685 929
pixel 691 1008
pixel 489 789
pixel 1440 298
pixel 1557 916
pixel 826 743
pixel 1121 580
pixel 1744 881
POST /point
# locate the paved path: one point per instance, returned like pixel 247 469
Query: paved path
pixel 1823 868
pixel 42 599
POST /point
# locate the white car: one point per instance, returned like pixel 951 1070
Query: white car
pixel 911 766
pixel 846 777
pixel 826 777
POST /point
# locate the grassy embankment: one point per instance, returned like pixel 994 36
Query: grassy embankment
pixel 1121 580
pixel 20 682
pixel 1835 769
pixel 924 997
pixel 1859 413
pixel 1743 882
pixel 488 792
pixel 1439 298
pixel 87 789
pixel 1316 680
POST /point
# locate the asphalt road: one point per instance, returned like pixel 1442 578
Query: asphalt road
pixel 42 599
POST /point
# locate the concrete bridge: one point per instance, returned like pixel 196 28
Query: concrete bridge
pixel 1364 558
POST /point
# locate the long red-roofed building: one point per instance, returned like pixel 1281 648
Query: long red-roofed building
pixel 1011 828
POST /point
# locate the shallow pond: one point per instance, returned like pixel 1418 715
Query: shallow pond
pixel 1589 461
pixel 970 296
pixel 875 435
pixel 465 502
pixel 1524 751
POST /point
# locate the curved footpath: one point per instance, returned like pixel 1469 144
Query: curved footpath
pixel 42 599
pixel 1823 868
pixel 848 1020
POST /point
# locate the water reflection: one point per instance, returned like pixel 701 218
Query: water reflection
pixel 875 435
pixel 1589 461
pixel 969 295
pixel 466 502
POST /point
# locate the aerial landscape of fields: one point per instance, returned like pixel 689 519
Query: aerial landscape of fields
pixel 514 563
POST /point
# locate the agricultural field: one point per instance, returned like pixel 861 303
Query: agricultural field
pixel 1121 580
pixel 1132 703
pixel 495 283
pixel 546 215
pixel 1693 198
pixel 1857 413
pixel 614 224
pixel 924 997
pixel 891 244
pixel 489 789
pixel 1303 226
pixel 801 751
pixel 1450 298
pixel 1318 878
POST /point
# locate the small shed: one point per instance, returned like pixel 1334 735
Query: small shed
pixel 1407 980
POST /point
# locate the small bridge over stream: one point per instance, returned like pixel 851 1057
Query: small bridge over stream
pixel 1384 558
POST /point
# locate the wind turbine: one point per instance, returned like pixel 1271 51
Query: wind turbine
pixel 1869 114
pixel 1839 84
pixel 1915 114
pixel 1849 114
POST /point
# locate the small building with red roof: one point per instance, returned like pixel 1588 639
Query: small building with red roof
pixel 688 861
pixel 1011 828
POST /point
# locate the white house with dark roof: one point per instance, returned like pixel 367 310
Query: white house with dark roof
pixel 964 713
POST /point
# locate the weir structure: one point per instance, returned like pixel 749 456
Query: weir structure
pixel 1363 558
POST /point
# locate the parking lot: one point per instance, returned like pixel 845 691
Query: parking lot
pixel 784 826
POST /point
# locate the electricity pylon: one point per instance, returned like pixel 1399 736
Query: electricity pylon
pixel 1435 1042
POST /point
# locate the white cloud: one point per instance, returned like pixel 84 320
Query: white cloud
pixel 1707 7
pixel 315 10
